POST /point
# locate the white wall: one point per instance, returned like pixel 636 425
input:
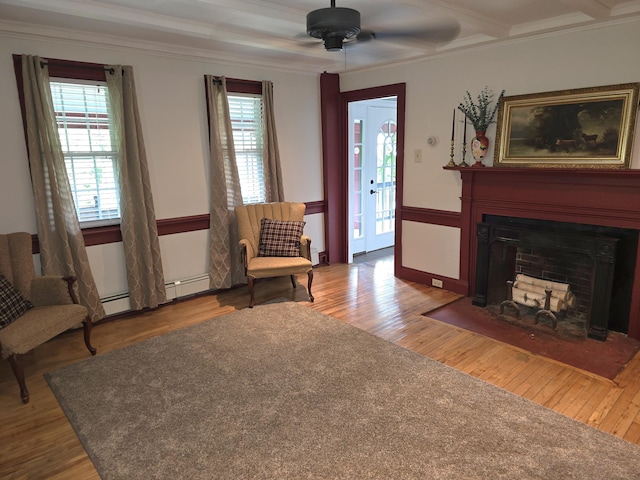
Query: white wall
pixel 172 106
pixel 583 58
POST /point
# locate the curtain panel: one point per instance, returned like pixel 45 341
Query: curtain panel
pixel 225 269
pixel 62 248
pixel 138 225
pixel 271 153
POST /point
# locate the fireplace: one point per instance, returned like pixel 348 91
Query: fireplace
pixel 592 261
pixel 598 199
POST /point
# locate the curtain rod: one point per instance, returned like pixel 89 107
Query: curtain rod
pixel 111 70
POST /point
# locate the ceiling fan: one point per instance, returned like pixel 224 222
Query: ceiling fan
pixel 339 26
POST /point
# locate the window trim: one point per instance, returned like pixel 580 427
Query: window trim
pixel 247 122
pixel 70 69
pixel 247 87
pixel 235 86
pixel 101 121
pixel 61 69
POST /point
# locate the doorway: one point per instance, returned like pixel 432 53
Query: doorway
pixel 372 133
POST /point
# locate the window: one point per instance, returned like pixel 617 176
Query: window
pixel 86 136
pixel 386 177
pixel 358 179
pixel 245 111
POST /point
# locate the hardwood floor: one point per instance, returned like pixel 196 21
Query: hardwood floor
pixel 36 440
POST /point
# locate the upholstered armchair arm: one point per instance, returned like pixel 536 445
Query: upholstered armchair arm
pixel 246 253
pixel 52 290
pixel 305 247
pixel 246 245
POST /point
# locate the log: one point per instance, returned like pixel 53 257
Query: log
pixel 571 300
pixel 564 296
pixel 562 287
pixel 532 299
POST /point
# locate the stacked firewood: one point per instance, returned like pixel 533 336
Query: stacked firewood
pixel 531 291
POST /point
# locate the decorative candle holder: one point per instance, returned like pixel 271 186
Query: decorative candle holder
pixel 464 153
pixel 451 161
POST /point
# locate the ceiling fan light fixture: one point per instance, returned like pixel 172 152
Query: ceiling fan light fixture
pixel 333 25
pixel 333 43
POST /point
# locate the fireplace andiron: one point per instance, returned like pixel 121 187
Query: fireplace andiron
pixel 528 291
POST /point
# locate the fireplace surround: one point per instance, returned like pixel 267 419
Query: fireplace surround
pixel 581 257
pixel 597 197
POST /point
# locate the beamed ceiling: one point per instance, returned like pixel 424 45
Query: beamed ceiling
pixel 272 33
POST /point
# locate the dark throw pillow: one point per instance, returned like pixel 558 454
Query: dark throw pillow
pixel 280 238
pixel 12 303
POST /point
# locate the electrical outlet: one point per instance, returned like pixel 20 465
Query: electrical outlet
pixel 436 283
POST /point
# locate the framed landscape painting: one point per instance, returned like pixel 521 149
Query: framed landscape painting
pixel 583 128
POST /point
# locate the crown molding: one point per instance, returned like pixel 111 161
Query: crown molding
pixel 63 36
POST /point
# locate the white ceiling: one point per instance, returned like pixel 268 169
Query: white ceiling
pixel 271 32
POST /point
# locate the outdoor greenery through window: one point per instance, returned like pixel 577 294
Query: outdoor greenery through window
pixel 245 111
pixel 86 136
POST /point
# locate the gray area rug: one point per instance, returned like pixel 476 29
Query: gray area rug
pixel 281 391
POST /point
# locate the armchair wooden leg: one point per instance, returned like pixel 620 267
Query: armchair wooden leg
pixel 310 275
pixel 293 281
pixel 250 281
pixel 86 324
pixel 16 366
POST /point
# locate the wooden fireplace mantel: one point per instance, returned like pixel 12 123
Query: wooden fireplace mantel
pixel 607 197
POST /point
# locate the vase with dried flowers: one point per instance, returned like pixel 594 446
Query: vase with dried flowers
pixel 481 114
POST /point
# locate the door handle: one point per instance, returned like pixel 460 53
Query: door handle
pixel 372 191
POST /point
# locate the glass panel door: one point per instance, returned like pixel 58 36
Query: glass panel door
pixel 372 174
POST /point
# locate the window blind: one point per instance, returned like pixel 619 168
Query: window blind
pixel 246 121
pixel 86 137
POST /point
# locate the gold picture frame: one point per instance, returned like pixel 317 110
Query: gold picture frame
pixel 582 128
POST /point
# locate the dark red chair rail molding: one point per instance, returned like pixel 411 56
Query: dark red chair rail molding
pixel 315 207
pixel 427 215
pixel 167 226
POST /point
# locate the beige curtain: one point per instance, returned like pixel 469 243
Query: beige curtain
pixel 62 249
pixel 138 223
pixel 225 269
pixel 271 154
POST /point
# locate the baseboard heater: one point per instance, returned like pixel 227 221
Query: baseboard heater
pixel 119 302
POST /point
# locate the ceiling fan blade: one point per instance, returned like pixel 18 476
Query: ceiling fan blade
pixel 435 32
pixel 305 41
pixel 366 36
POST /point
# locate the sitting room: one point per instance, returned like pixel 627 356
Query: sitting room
pixel 198 189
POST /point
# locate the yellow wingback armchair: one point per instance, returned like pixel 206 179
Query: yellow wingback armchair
pixel 249 219
pixel 55 308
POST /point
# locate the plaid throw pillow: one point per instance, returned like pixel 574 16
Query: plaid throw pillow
pixel 12 304
pixel 280 238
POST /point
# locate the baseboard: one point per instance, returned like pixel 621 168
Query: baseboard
pixel 426 278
